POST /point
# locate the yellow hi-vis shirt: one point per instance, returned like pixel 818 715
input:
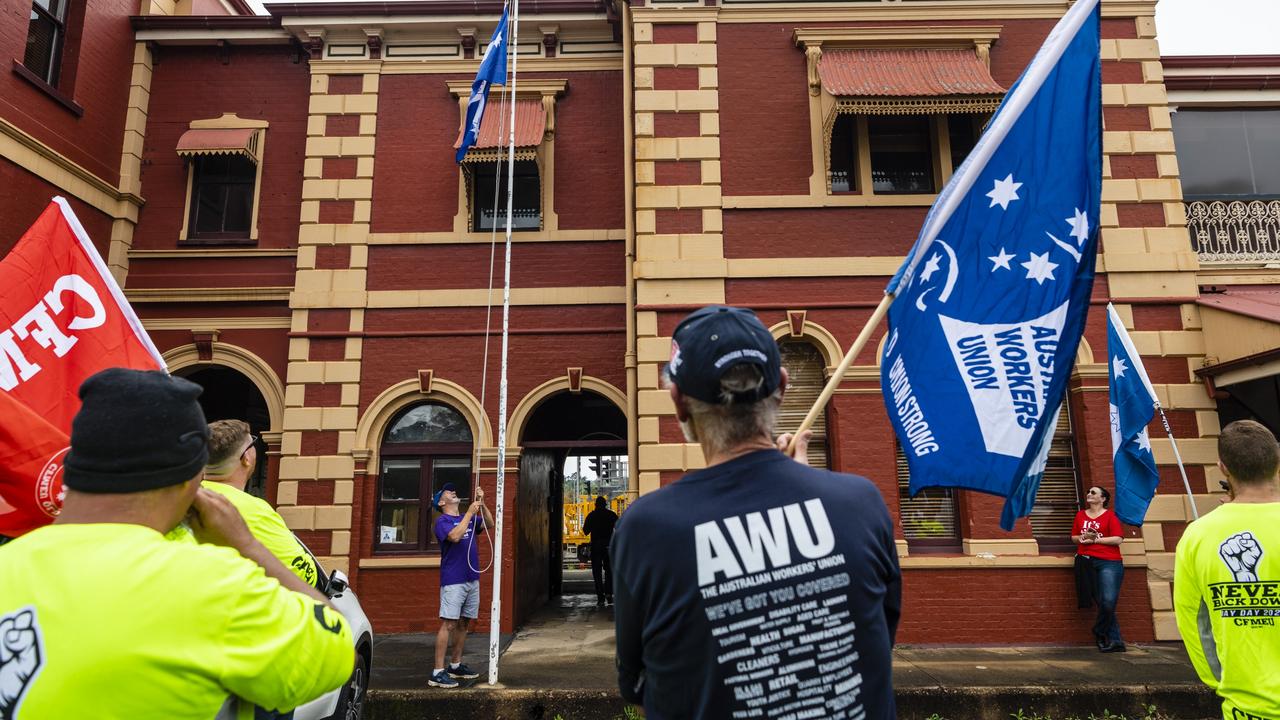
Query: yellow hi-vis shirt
pixel 1226 594
pixel 267 525
pixel 113 621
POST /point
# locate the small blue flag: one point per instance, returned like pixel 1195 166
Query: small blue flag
pixel 493 71
pixel 991 301
pixel 1133 405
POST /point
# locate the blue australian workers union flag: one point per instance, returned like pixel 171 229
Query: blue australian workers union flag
pixel 991 301
pixel 493 71
pixel 1133 405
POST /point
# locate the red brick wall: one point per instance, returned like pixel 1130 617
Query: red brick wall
pixel 764 112
pixel 269 344
pixel 589 146
pixel 25 196
pixel 427 267
pixel 101 86
pixel 1011 606
pixel 827 232
pixel 258 83
pixel 415 185
pixel 211 271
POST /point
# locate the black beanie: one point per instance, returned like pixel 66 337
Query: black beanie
pixel 136 430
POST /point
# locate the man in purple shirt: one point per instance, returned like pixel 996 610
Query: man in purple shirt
pixel 459 580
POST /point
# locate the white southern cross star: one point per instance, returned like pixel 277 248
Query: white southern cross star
pixel 1142 440
pixel 930 267
pixel 1004 192
pixel 1001 260
pixel 1039 268
pixel 1118 366
pixel 1079 227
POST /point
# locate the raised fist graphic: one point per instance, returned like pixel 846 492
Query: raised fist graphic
pixel 1241 553
pixel 19 658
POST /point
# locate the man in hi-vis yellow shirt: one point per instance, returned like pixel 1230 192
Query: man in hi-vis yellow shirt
pixel 102 617
pixel 1226 579
pixel 232 458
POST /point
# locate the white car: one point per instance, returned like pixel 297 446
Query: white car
pixel 345 702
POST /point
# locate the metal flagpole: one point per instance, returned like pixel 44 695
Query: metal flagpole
pixel 1195 514
pixel 838 376
pixel 495 611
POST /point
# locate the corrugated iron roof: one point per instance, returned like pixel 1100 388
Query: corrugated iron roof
pixel 219 141
pixel 905 72
pixel 1261 302
pixel 531 124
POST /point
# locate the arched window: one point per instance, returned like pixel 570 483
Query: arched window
pixel 1058 498
pixel 425 446
pixel 807 373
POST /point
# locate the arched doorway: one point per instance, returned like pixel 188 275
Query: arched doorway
pixel 229 395
pixel 565 432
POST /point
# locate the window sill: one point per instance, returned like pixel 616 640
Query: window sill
pixel 54 93
pixel 217 242
pixel 416 561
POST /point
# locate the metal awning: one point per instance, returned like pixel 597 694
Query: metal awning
pixel 531 125
pixel 220 141
pixel 1241 327
pixel 903 80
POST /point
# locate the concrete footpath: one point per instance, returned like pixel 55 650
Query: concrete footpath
pixel 561 665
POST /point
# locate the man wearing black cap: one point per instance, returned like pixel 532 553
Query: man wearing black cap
pixel 459 580
pixel 101 617
pixel 757 587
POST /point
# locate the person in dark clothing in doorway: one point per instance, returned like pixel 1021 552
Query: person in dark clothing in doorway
pixel 755 587
pixel 599 525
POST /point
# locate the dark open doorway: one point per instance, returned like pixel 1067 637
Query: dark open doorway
pixel 229 395
pixel 563 428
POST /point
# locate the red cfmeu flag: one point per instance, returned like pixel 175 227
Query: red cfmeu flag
pixel 31 455
pixel 62 319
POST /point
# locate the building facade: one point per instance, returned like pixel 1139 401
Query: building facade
pixel 1226 123
pixel 296 236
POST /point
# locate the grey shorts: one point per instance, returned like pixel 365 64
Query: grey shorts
pixel 460 600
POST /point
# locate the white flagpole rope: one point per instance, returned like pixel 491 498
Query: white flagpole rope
pixel 1178 456
pixel 495 611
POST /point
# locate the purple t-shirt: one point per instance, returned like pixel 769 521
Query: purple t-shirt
pixel 454 569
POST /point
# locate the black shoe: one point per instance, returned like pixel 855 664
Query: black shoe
pixel 600 602
pixel 608 599
pixel 1100 641
pixel 1113 648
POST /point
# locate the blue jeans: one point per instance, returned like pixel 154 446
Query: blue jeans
pixel 1108 575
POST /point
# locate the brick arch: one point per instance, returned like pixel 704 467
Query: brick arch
pixel 242 361
pixel 375 419
pixel 819 336
pixel 535 397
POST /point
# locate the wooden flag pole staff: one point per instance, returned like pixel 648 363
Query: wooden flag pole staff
pixel 836 377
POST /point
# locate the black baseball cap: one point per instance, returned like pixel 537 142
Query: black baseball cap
pixel 712 340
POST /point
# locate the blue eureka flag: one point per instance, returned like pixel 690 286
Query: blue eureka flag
pixel 991 301
pixel 1133 405
pixel 493 71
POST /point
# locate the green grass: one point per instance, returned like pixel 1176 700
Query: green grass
pixel 1150 712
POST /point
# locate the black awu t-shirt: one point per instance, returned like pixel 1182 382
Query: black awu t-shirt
pixel 758 588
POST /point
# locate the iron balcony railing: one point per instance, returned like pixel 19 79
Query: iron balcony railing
pixel 1235 231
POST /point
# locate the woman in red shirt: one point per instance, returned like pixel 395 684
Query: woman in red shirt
pixel 1098 533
